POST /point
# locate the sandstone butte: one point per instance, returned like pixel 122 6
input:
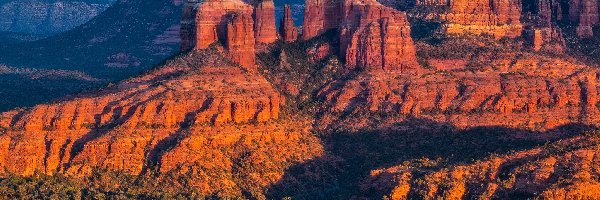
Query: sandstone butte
pixel 200 114
pixel 500 18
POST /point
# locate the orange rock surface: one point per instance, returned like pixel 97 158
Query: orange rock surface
pixel 376 37
pixel 230 22
pixel 499 18
pixel 264 25
pixel 288 30
pixel 515 91
pixel 240 40
pixel 179 118
pixel 320 16
pixel 565 170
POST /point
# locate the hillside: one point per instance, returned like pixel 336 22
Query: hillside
pixel 431 99
pixel 130 37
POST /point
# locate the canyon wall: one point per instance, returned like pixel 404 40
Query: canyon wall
pixel 499 18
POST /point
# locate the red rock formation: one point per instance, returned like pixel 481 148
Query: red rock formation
pixel 498 18
pixel 549 11
pixel 550 39
pixel 227 21
pixel 503 93
pixel 432 2
pixel 264 25
pixel 563 170
pixel 188 25
pixel 320 16
pixel 178 117
pixel 376 37
pixel 586 13
pixel 288 30
pixel 240 40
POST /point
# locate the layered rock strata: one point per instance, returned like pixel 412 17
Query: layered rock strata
pixel 376 37
pixel 499 18
pixel 320 16
pixel 264 27
pixel 563 170
pixel 182 118
pixel 519 92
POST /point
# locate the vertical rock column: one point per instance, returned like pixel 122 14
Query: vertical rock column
pixel 264 26
pixel 289 32
pixel 240 40
pixel 377 38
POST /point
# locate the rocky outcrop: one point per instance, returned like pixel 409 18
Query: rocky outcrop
pixel 320 16
pixel 240 40
pixel 188 24
pixel 376 37
pixel 372 36
pixel 229 22
pixel 499 18
pixel 550 39
pixel 45 18
pixel 586 14
pixel 432 2
pixel 561 170
pixel 264 26
pixel 288 29
pixel 181 118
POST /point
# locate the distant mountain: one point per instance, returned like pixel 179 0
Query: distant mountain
pixel 129 37
pixel 43 18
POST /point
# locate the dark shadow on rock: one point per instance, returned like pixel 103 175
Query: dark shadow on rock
pixel 350 156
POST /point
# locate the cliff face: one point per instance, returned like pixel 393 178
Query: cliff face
pixel 230 23
pixel 376 37
pixel 288 29
pixel 563 170
pixel 372 36
pixel 161 122
pixel 498 18
pixel 502 92
pixel 44 18
pixel 264 27
pixel 320 16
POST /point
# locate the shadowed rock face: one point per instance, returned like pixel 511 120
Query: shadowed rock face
pixel 376 37
pixel 320 16
pixel 586 13
pixel 562 170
